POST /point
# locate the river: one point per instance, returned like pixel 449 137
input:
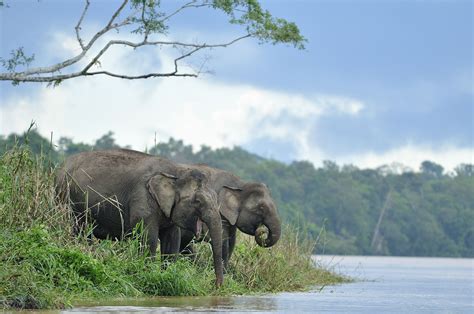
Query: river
pixel 382 284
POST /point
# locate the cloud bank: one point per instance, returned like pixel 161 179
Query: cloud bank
pixel 199 111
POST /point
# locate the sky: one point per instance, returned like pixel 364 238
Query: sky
pixel 379 82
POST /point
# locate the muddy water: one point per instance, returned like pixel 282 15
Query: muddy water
pixel 383 284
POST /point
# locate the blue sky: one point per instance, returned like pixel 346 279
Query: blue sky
pixel 379 82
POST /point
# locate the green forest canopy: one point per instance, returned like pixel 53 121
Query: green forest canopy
pixel 354 211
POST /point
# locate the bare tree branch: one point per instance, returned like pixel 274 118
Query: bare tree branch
pixel 26 77
pixel 34 75
pixel 144 76
pixel 22 76
pixel 185 6
pixel 157 43
pixel 150 21
pixel 116 13
pixel 78 26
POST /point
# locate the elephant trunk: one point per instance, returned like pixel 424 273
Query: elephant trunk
pixel 269 232
pixel 214 224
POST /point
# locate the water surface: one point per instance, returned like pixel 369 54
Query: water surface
pixel 383 284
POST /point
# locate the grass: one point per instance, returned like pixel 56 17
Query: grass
pixel 45 266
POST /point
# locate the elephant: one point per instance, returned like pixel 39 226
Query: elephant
pixel 243 205
pixel 120 188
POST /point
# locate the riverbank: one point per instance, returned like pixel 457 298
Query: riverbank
pixel 384 284
pixel 44 266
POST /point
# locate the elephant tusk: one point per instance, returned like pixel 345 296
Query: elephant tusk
pixel 198 228
pixel 232 188
pixel 170 176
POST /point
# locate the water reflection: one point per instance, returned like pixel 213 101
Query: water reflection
pixel 182 304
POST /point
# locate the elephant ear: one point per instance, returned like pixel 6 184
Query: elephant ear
pixel 162 188
pixel 230 204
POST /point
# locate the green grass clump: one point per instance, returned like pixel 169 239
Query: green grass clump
pixel 285 267
pixel 42 272
pixel 44 266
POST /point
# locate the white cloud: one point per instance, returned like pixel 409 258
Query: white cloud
pixel 199 111
pixel 340 104
pixel 412 155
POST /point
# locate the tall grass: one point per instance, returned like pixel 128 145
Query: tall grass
pixel 27 195
pixel 45 266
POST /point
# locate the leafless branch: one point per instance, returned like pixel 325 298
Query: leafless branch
pixel 185 6
pixel 71 61
pixel 52 73
pixel 157 43
pixel 78 26
pixel 116 13
pixel 144 76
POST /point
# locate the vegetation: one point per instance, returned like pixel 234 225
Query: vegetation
pixel 359 211
pixel 149 22
pixel 45 266
pixel 356 211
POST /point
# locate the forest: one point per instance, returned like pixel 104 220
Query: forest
pixel 352 211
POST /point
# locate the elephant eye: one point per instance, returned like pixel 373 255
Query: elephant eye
pixel 197 201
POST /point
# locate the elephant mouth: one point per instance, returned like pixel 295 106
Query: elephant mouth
pixel 262 235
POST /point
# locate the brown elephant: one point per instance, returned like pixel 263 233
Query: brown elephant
pixel 243 205
pixel 120 188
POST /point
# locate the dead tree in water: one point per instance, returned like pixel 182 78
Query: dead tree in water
pixel 376 237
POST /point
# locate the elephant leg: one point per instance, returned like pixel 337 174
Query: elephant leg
pixel 83 226
pixel 151 231
pixel 225 253
pixel 153 241
pixel 232 238
pixel 100 233
pixel 79 224
pixel 228 242
pixel 79 215
pixel 189 251
pixel 186 247
pixel 170 240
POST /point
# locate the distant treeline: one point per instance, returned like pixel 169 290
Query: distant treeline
pixel 354 211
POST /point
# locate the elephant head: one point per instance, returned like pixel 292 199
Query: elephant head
pixel 250 206
pixel 188 201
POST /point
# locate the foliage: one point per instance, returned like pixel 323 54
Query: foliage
pixel 260 23
pixel 287 266
pixel 428 213
pixel 17 58
pixel 26 189
pixel 45 266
